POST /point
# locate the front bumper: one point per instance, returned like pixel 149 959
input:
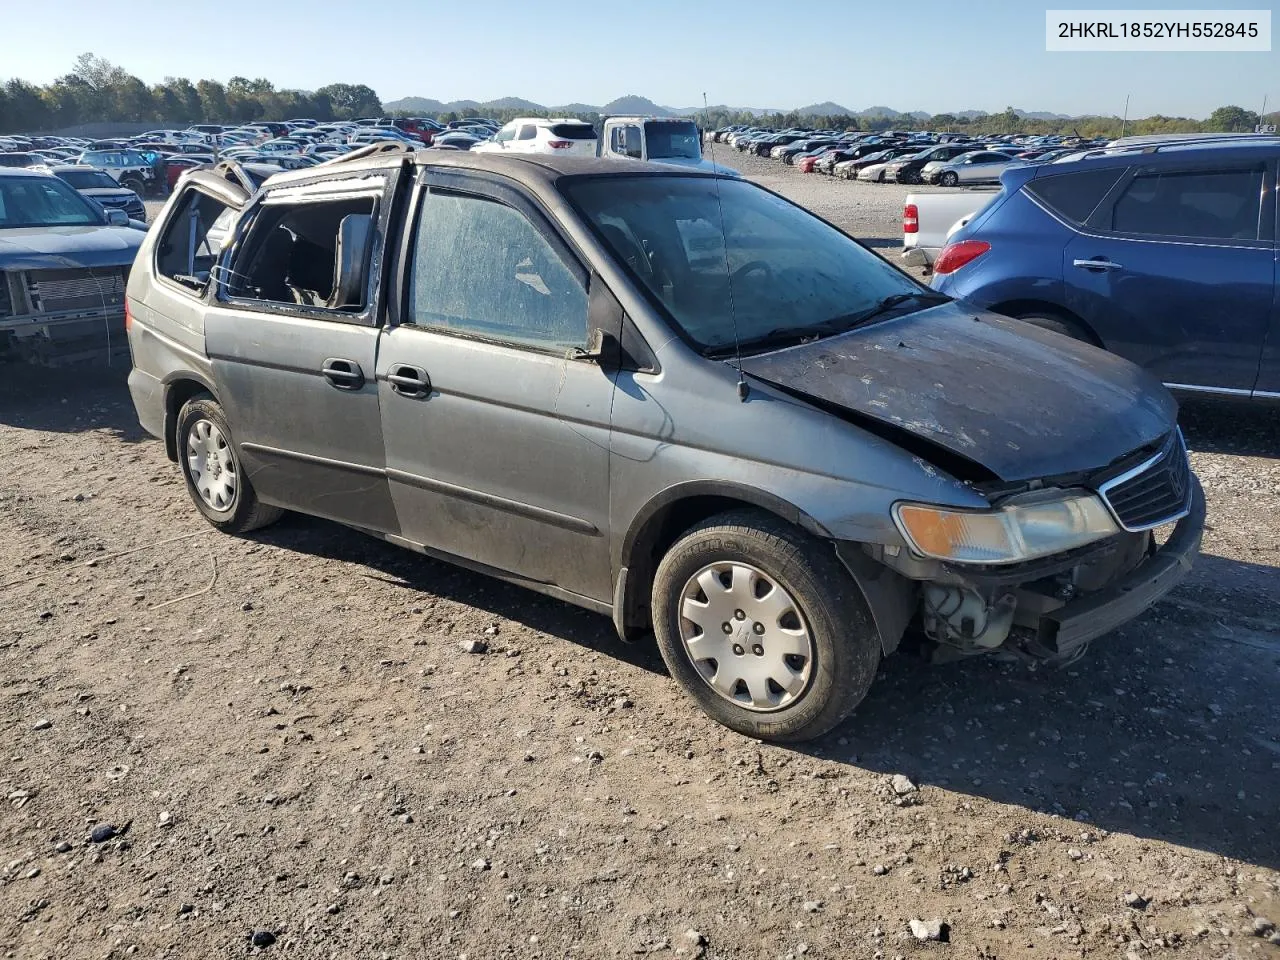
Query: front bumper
pixel 1065 630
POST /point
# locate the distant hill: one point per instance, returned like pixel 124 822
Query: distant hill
pixel 511 103
pixel 1042 115
pixel 636 104
pixel 889 112
pixel 826 109
pixel 569 109
pixel 632 104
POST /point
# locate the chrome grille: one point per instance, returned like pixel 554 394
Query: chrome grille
pixel 1154 492
pixel 55 291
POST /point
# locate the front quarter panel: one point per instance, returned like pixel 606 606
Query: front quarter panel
pixel 686 429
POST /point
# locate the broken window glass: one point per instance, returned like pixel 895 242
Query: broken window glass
pixel 481 268
pixel 292 254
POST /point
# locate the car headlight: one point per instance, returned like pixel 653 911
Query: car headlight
pixel 1011 534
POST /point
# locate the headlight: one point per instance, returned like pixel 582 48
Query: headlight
pixel 1011 534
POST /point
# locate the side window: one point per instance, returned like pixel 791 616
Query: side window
pixel 634 141
pixel 309 254
pixel 528 132
pixel 1074 196
pixel 193 239
pixel 480 268
pixel 615 139
pixel 1215 204
pixel 505 134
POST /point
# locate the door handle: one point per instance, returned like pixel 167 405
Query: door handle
pixel 343 374
pixel 1098 264
pixel 408 381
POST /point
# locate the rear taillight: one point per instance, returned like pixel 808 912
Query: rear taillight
pixel 910 218
pixel 956 255
pixel 128 317
pixel 559 144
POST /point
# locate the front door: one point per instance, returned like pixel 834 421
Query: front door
pixel 497 437
pixel 1174 272
pixel 1268 386
pixel 293 341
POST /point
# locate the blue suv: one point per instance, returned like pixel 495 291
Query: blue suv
pixel 1164 253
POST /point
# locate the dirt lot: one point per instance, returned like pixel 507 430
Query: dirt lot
pixel 288 740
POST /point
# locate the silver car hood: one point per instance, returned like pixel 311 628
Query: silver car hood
pixel 1021 402
pixel 52 248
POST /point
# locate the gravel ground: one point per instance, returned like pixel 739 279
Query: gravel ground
pixel 286 740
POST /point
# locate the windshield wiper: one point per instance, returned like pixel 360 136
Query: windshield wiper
pixel 782 336
pixel 792 336
pixel 889 303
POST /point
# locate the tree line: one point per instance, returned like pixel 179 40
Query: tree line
pixel 96 90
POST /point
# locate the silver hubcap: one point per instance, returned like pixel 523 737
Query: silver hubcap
pixel 211 465
pixel 746 637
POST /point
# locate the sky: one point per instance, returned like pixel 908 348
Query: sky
pixel 931 55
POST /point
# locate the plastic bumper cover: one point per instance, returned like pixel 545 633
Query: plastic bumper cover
pixel 1069 627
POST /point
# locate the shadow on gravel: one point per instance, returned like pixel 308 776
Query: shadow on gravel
pixel 1231 426
pixel 1165 729
pixel 401 567
pixel 72 399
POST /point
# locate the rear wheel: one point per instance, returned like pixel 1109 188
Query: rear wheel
pixel 760 624
pixel 1047 319
pixel 949 179
pixel 132 183
pixel 215 482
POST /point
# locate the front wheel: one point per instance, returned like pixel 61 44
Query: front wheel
pixel 950 178
pixel 763 627
pixel 216 483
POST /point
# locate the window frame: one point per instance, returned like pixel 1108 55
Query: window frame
pixel 384 200
pixel 1029 190
pixel 229 201
pixel 493 188
pixel 1099 222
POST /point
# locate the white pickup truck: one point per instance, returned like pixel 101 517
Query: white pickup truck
pixel 671 140
pixel 929 219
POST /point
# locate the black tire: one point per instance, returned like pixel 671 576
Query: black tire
pixel 1049 320
pixel 132 183
pixel 244 512
pixel 845 643
pixel 949 178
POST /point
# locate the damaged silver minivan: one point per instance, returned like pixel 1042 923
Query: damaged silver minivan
pixel 673 398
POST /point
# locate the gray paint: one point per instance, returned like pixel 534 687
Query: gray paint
pixel 548 470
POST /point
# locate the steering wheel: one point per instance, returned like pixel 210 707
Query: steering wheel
pixel 750 267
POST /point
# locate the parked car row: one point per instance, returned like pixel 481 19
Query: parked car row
pixel 149 164
pixel 945 159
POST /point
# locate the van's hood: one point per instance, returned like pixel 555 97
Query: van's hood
pixel 52 248
pixel 1022 402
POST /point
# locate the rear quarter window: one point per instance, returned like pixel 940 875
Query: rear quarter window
pixel 1074 196
pixel 573 131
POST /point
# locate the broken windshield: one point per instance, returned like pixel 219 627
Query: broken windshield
pixel 783 276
